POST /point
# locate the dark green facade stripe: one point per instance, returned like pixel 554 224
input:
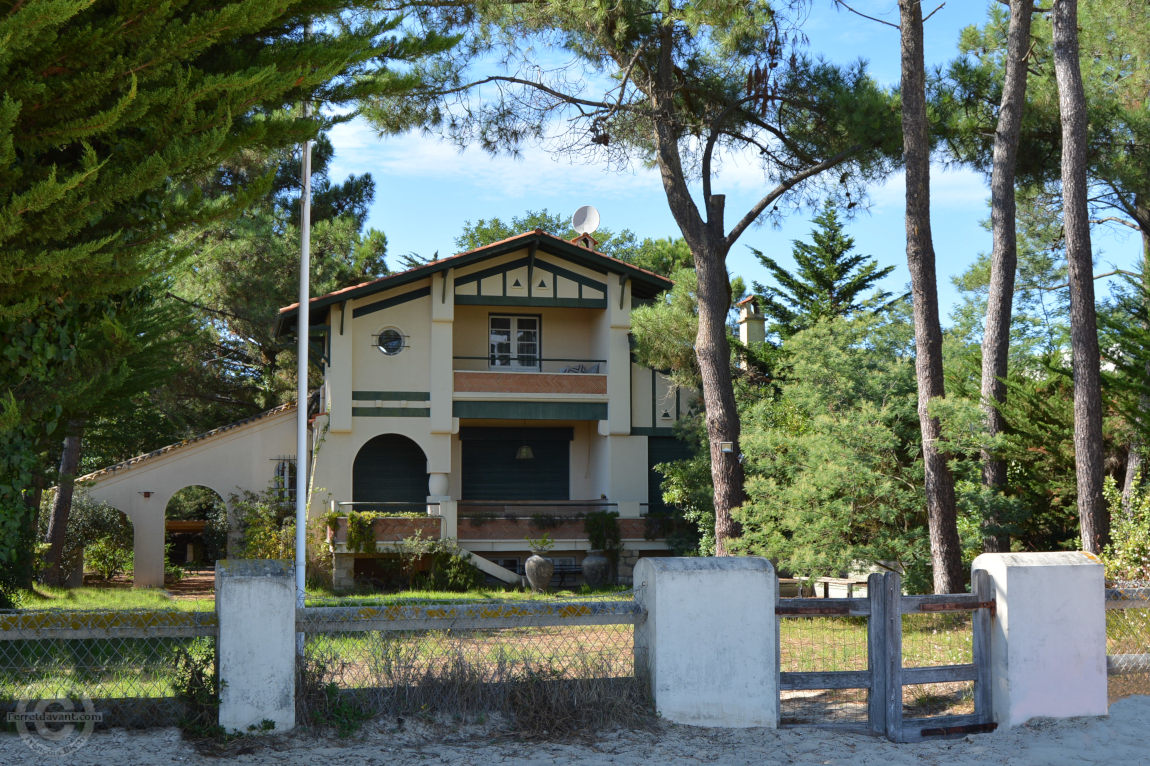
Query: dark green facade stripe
pixel 392 396
pixel 530 410
pixel 507 300
pixel 643 431
pixel 371 308
pixel 391 412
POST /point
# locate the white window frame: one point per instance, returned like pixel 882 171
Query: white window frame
pixel 514 364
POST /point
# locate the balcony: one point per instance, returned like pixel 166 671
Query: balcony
pixel 530 375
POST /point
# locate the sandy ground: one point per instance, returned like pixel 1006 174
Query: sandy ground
pixel 1121 738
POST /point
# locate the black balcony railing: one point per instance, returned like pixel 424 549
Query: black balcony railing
pixel 512 363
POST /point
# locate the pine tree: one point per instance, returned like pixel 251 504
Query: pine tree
pixel 829 280
pixel 109 112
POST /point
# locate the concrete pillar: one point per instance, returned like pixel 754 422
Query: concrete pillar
pixel 709 644
pixel 449 515
pixel 630 509
pixel 256 649
pixel 441 370
pixel 342 571
pixel 147 515
pixel 1048 636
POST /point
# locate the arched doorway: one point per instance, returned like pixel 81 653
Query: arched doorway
pixel 390 469
pixel 195 526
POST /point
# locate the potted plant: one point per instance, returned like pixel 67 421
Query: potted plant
pixel 539 568
pixel 602 529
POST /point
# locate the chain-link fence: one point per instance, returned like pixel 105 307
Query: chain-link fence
pixel 546 666
pixel 136 668
pixel 1128 640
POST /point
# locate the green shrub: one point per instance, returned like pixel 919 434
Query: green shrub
pixel 266 524
pixel 107 558
pixel 94 529
pixel 360 535
pixel 1127 557
pixel 450 569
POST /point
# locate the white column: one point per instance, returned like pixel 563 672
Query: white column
pixel 338 373
pixel 1048 635
pixel 709 643
pixel 256 648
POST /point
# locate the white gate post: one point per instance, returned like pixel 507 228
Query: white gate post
pixel 256 648
pixel 1047 649
pixel 708 646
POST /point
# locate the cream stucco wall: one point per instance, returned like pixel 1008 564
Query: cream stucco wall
pixel 244 457
pixel 409 370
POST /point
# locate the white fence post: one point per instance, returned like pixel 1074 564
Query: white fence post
pixel 256 650
pixel 1047 648
pixel 709 644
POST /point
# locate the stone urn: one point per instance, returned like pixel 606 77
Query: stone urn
pixel 596 568
pixel 539 569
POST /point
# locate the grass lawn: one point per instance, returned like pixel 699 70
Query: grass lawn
pixel 44 597
pixel 119 598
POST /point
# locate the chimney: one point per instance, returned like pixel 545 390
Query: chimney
pixel 752 325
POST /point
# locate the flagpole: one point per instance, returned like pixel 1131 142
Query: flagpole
pixel 304 318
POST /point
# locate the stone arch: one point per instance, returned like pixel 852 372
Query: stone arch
pixel 192 525
pixel 390 468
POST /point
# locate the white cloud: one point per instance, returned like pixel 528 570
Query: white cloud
pixel 949 188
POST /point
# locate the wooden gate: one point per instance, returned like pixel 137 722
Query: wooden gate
pixel 885 675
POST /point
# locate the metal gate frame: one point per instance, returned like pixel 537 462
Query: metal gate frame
pixel 885 676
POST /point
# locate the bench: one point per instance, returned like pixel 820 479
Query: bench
pixel 562 570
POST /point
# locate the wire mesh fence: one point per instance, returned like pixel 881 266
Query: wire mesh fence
pixel 937 640
pixel 545 666
pixel 1128 640
pixel 823 645
pixel 135 668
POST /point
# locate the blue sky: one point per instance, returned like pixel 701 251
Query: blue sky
pixel 426 188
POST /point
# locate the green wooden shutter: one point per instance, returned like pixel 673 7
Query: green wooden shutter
pixel 491 470
pixel 390 468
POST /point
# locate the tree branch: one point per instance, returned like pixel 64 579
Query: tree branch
pixel 785 186
pixel 1096 277
pixel 1116 219
pixel 870 18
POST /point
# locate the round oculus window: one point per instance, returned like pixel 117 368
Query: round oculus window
pixel 390 341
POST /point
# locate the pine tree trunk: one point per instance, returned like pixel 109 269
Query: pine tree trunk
pixel 1004 256
pixel 945 549
pixel 709 251
pixel 1083 326
pixel 714 355
pixel 62 504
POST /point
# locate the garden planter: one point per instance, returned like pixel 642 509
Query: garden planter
pixel 539 570
pixel 596 569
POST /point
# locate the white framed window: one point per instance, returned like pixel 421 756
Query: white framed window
pixel 513 342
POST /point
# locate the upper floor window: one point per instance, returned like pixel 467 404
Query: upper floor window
pixel 513 342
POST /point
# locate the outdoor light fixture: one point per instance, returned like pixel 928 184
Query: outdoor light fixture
pixel 525 453
pixel 666 415
pixel 726 448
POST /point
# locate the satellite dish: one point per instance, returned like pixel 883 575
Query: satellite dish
pixel 585 220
